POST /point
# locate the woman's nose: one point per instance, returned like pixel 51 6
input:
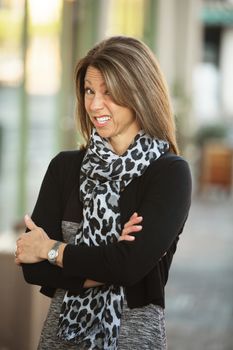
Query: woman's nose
pixel 97 102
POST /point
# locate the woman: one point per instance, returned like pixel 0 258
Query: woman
pixel 107 280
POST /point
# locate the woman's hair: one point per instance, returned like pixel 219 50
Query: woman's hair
pixel 133 77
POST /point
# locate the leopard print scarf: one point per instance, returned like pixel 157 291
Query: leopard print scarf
pixel 93 317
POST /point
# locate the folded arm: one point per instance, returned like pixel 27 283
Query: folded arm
pixel 33 247
pixel 164 209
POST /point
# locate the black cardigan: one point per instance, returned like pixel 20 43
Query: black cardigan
pixel 161 195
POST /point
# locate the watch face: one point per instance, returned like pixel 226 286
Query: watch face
pixel 52 254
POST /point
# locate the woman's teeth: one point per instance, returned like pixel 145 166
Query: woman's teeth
pixel 102 120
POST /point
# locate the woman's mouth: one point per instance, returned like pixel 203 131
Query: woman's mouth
pixel 101 120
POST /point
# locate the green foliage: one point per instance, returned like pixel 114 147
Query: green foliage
pixel 209 132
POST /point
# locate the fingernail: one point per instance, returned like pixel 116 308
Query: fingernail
pixel 139 227
pixel 27 217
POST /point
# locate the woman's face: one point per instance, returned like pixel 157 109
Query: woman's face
pixel 111 121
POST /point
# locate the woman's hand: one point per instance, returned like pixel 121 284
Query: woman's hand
pixel 130 227
pixel 32 246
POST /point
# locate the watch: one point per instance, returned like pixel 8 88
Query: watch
pixel 53 253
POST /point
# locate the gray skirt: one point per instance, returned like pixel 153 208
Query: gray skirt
pixel 141 328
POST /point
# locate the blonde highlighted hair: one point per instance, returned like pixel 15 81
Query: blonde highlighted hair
pixel 134 80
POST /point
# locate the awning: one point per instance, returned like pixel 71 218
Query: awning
pixel 217 13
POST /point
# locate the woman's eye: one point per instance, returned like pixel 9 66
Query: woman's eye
pixel 107 93
pixel 88 91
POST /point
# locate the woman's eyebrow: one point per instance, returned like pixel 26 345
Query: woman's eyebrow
pixel 89 82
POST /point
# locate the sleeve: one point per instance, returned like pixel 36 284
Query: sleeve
pixel 164 208
pixel 47 214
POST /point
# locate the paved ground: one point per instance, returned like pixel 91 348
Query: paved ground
pixel 199 308
pixel 200 290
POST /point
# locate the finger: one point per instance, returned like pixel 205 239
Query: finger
pixel 18 251
pixel 29 223
pixel 133 221
pixel 17 262
pixel 126 238
pixel 135 214
pixel 21 240
pixel 131 229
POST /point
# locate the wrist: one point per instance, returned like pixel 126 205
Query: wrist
pixel 46 247
pixel 59 261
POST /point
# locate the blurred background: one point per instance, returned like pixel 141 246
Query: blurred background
pixel 40 42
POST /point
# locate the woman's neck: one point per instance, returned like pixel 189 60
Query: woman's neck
pixel 119 148
pixel 121 144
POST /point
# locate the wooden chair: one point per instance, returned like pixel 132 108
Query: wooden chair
pixel 216 167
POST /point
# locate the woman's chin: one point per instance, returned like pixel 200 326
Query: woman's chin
pixel 103 132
